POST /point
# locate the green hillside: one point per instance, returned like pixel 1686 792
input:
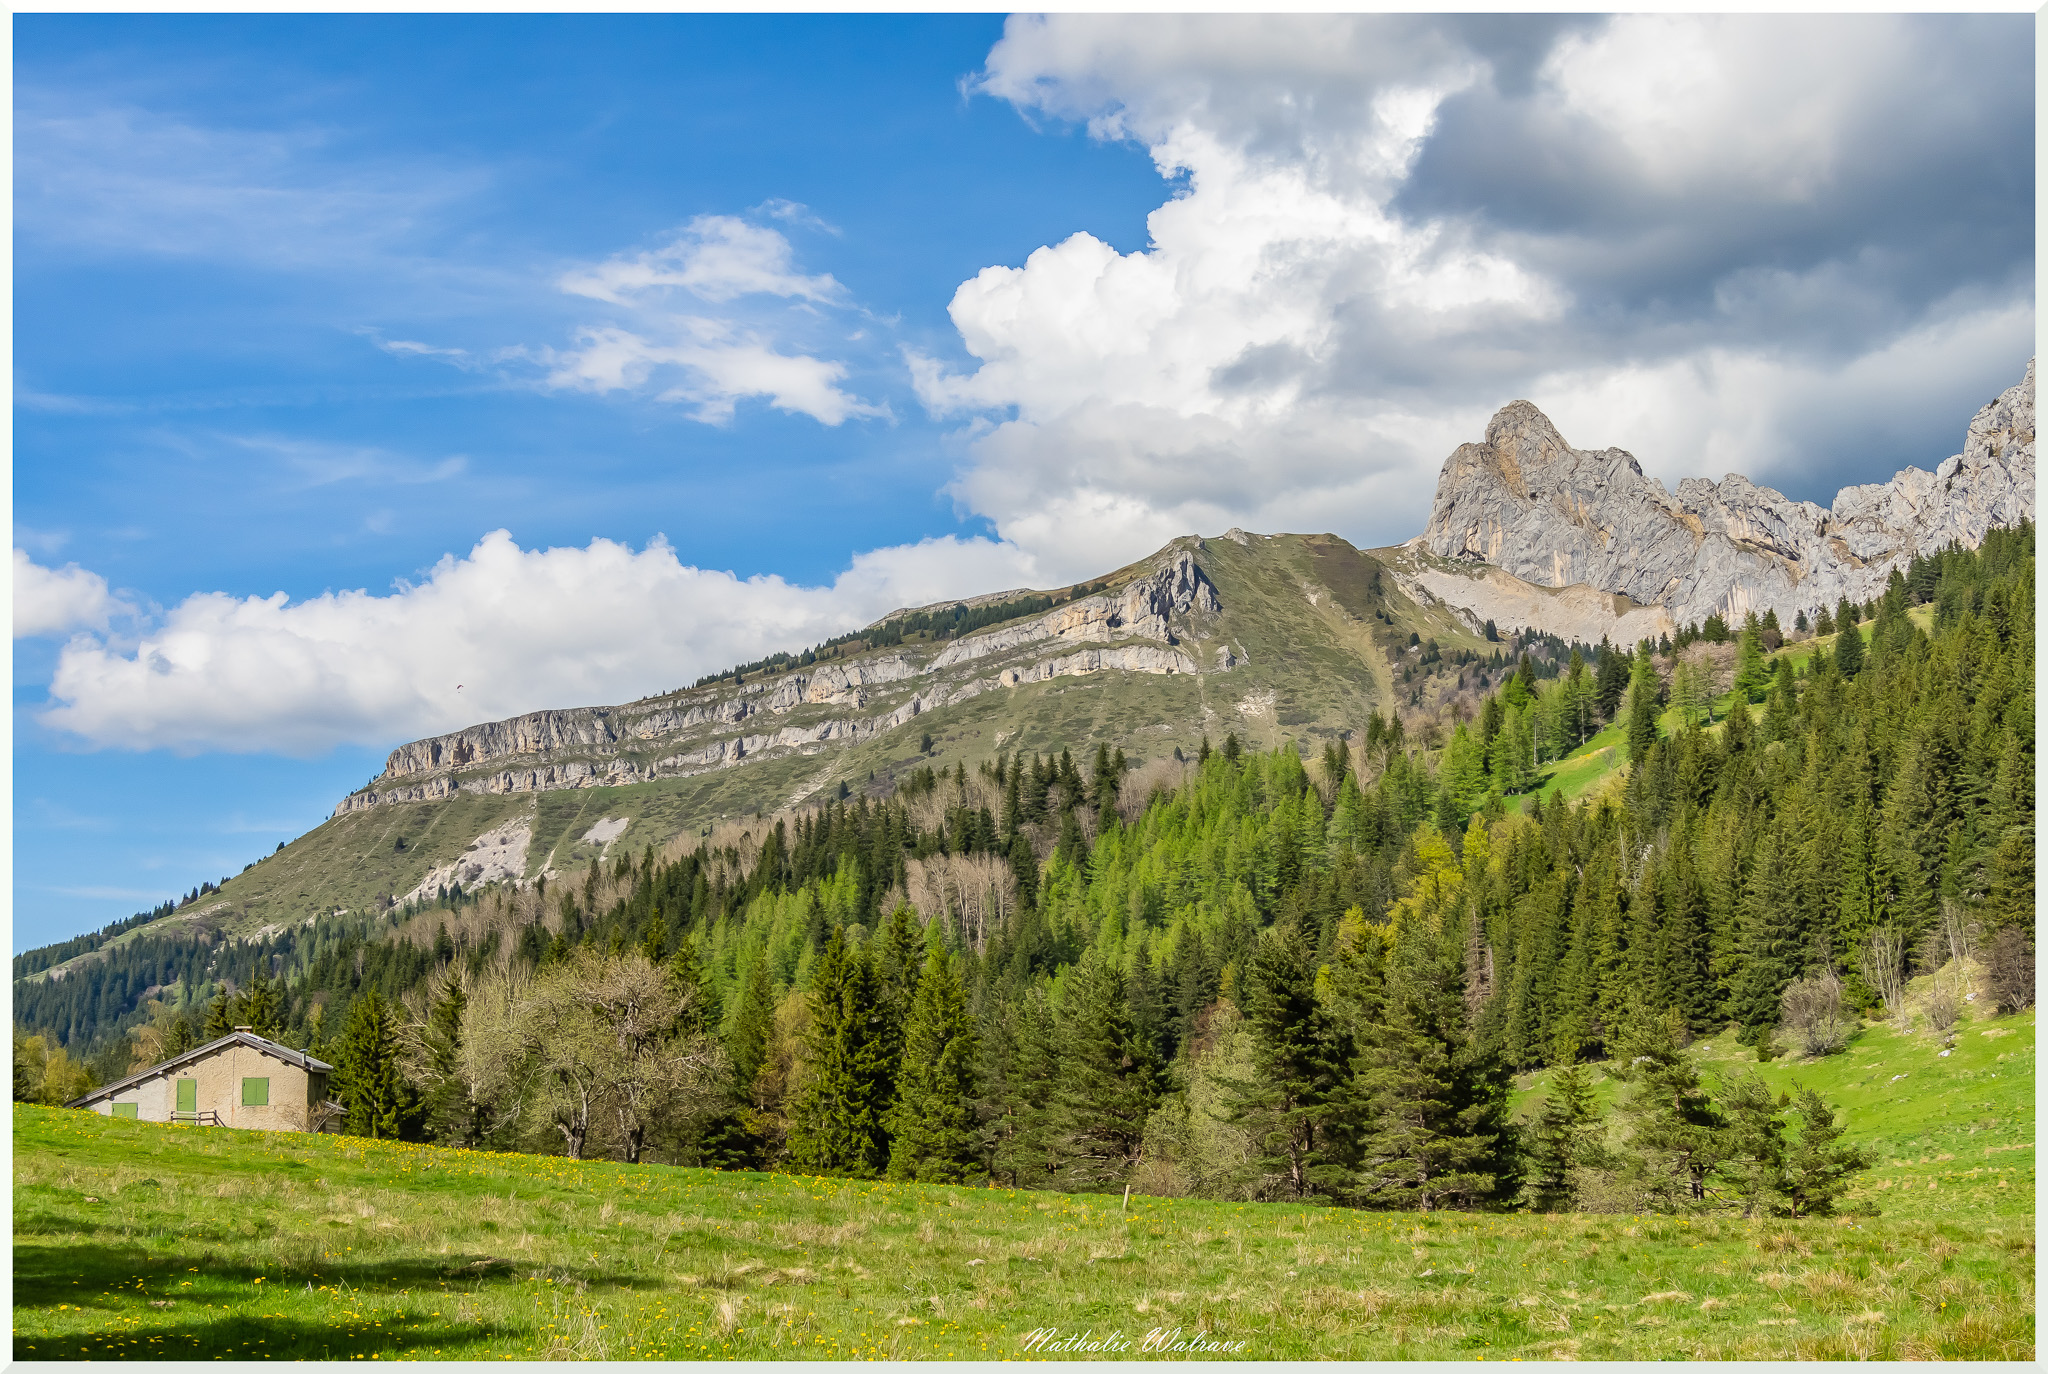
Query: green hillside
pixel 1318 635
pixel 1299 998
pixel 143 1242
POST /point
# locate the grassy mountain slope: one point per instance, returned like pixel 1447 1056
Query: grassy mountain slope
pixel 1311 623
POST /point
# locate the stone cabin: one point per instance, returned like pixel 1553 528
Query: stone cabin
pixel 238 1080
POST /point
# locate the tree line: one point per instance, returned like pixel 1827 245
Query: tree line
pixel 1255 975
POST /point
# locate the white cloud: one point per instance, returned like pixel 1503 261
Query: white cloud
pixel 1317 321
pixel 714 257
pixel 711 365
pixel 316 463
pixel 681 355
pixel 499 632
pixel 100 173
pixel 57 601
pixel 1726 410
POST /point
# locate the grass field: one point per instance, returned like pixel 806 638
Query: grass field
pixel 153 1242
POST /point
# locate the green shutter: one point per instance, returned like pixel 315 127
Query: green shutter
pixel 255 1092
pixel 188 1094
pixel 125 1109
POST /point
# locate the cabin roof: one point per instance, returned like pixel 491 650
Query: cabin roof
pixel 298 1059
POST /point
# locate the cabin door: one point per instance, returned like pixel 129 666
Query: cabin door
pixel 188 1094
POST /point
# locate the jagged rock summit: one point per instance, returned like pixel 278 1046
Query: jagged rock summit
pixel 1527 502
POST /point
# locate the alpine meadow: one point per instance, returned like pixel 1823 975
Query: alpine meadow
pixel 992 919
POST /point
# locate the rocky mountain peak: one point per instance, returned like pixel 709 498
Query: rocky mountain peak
pixel 1529 503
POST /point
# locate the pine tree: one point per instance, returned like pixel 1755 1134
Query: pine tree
pixel 366 1080
pixel 1675 1137
pixel 932 1127
pixel 1109 1080
pixel 1434 1129
pixel 1642 706
pixel 837 1123
pixel 1295 1106
pixel 1818 1167
pixel 1566 1137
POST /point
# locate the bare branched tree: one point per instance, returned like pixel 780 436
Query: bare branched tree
pixel 1882 962
pixel 977 892
pixel 2011 960
pixel 1814 1014
pixel 1961 933
pixel 1157 775
pixel 1942 1007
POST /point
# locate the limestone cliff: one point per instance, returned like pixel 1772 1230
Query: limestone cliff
pixel 1528 503
pixel 825 704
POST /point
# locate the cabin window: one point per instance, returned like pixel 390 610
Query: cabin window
pixel 255 1092
pixel 126 1109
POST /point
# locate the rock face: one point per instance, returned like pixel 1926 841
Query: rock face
pixel 827 704
pixel 1527 502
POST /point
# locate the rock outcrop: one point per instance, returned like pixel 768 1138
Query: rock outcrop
pixel 1527 502
pixel 826 704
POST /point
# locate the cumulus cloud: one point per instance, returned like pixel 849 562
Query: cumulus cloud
pixel 677 353
pixel 56 601
pixel 500 631
pixel 1383 228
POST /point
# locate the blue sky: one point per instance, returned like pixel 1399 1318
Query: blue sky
pixel 745 330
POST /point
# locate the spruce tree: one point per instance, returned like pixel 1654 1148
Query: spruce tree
pixel 1752 673
pixel 1294 1107
pixel 932 1126
pixel 261 1010
pixel 753 1026
pixel 1109 1079
pixel 837 1123
pixel 1752 1163
pixel 451 1118
pixel 1642 706
pixel 1566 1137
pixel 1773 948
pixel 366 1080
pixel 1434 1130
pixel 1848 656
pixel 1818 1167
pixel 1674 1135
pixel 1021 1068
pixel 223 1014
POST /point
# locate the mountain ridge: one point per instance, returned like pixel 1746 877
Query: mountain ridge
pixel 1524 501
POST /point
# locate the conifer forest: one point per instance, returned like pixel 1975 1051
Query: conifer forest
pixel 1308 974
